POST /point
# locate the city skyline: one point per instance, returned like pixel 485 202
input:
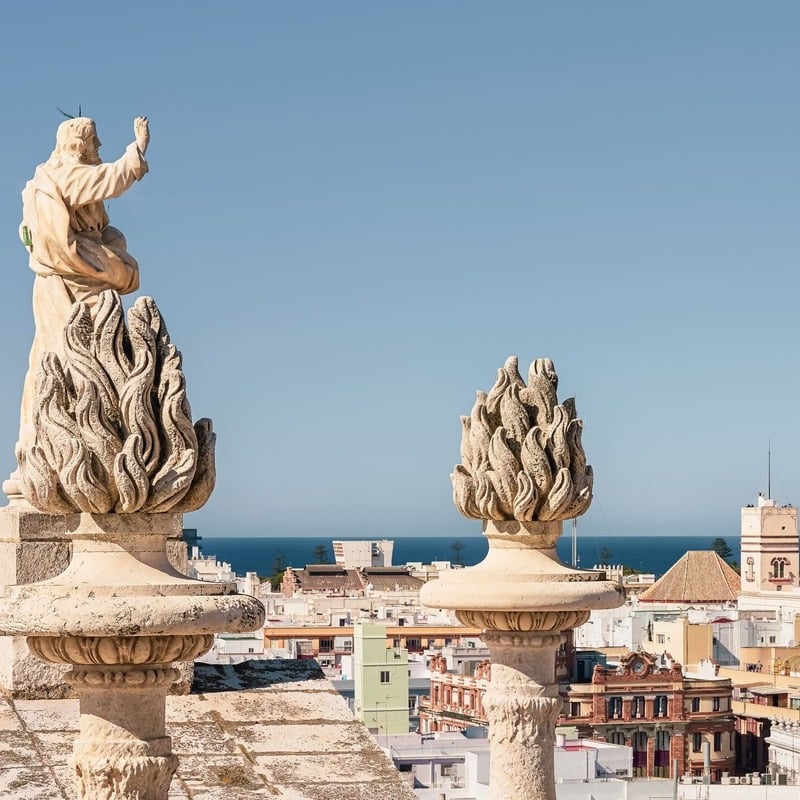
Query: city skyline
pixel 354 214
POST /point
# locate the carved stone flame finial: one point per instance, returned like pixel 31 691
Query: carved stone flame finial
pixel 113 426
pixel 521 452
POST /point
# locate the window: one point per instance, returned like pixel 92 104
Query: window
pixel 660 705
pixel 414 644
pixel 574 709
pixel 615 707
pixel 779 568
pixel 616 737
pixel 386 676
pixel 637 706
pixel 772 640
pixel 715 706
pixel 717 741
pixel 695 704
pixel 325 645
pixel 661 638
pixel 697 742
pixel 342 623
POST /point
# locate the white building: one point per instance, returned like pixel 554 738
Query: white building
pixel 784 751
pixel 363 554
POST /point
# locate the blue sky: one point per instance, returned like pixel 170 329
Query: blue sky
pixel 357 210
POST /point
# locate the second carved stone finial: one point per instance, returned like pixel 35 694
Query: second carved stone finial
pixel 113 425
pixel 521 452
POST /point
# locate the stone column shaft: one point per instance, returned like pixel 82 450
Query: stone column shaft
pixel 122 752
pixel 522 705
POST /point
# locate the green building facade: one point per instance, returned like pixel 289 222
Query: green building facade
pixel 381 680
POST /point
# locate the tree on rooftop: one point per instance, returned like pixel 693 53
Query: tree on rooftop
pixel 720 547
pixel 321 554
pixel 278 568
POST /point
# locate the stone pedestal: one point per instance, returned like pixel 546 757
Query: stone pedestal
pixel 120 615
pixel 524 599
pixel 33 547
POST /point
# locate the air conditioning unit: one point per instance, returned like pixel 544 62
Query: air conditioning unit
pixel 732 780
pixel 745 780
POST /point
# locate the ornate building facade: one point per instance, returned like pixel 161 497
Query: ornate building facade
pixel 661 714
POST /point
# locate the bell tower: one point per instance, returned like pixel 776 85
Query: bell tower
pixel 770 557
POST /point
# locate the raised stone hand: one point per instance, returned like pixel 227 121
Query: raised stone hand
pixel 141 130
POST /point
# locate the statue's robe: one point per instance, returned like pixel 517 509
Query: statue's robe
pixel 74 252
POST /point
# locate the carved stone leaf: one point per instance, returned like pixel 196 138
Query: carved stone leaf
pixel 136 398
pixel 540 394
pixel 40 483
pixel 535 461
pixel 97 431
pixel 464 493
pixel 514 418
pixel 112 345
pixel 81 363
pixel 466 445
pixel 527 498
pixel 577 462
pixel 131 476
pixel 560 497
pixel 479 433
pixel 557 438
pixel 503 474
pixel 81 484
pixel 205 474
pixel 508 375
pixel 51 414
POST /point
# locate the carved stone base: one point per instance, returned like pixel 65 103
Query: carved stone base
pixel 522 705
pixel 122 752
pixel 523 598
pixel 104 778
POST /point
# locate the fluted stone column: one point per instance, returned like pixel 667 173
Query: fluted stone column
pixel 523 472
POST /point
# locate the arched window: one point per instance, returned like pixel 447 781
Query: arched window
pixel 779 568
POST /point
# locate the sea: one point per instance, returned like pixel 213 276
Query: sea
pixel 652 554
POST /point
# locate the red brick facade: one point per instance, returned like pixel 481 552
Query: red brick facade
pixel 662 715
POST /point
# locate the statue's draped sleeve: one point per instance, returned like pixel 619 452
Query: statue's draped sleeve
pixel 56 248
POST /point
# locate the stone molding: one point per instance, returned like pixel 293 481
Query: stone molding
pixel 130 679
pixel 115 650
pixel 523 621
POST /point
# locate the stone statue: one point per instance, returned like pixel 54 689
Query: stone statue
pixel 74 251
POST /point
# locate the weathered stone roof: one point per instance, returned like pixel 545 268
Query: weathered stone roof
pixel 258 729
pixel 699 576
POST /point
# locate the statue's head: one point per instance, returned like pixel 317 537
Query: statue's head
pixel 77 137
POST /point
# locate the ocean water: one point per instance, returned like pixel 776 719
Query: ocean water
pixel 644 553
